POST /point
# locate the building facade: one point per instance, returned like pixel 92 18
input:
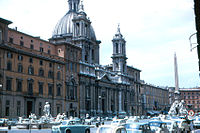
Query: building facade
pixel 66 72
pixel 154 99
pixel 191 96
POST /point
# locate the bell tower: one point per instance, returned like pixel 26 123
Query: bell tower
pixel 84 37
pixel 119 53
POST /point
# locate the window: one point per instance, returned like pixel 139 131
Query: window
pixel 21 43
pixel 50 74
pixel 59 50
pixel 20 58
pixel 50 64
pixel 31 46
pixel 7 111
pixel 19 85
pixel 1 35
pixel 41 72
pixel 30 70
pixel 75 69
pixel 40 87
pixel 30 60
pixel 18 108
pixel 20 68
pixel 9 55
pixel 11 40
pixel 9 66
pixel 8 84
pixel 41 49
pixel 30 87
pixel 49 51
pixel 71 66
pixel 50 89
pixel 117 48
pixel 41 62
pixel 58 75
pixel 59 90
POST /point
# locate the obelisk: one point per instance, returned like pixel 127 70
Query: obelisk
pixel 176 93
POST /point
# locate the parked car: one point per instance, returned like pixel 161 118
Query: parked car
pixel 3 121
pixel 111 129
pixel 138 127
pixel 71 126
pixel 158 126
pixel 172 126
pixel 118 122
pixel 196 122
pixel 12 121
pixel 183 124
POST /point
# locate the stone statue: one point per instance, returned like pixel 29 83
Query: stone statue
pixel 47 109
pixel 182 110
pixel 174 110
pixel 178 108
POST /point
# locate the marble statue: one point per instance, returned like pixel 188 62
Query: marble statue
pixel 47 109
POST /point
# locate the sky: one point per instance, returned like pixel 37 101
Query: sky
pixel 153 29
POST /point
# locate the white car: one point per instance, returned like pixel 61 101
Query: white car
pixel 118 122
pixel 158 126
pixel 111 129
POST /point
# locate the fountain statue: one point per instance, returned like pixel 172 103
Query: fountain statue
pixel 46 121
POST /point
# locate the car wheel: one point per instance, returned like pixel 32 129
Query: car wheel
pixel 68 131
pixel 87 131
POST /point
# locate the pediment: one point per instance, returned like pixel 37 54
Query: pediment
pixel 105 77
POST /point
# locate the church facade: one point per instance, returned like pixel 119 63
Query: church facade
pixel 65 71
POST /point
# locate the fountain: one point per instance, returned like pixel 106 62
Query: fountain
pixel 46 121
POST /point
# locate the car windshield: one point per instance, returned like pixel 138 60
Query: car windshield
pixel 71 122
pixel 105 130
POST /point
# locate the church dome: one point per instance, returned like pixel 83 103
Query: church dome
pixel 65 26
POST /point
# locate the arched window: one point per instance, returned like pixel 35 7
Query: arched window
pixel 1 35
pixel 117 48
pixel 59 89
pixel 9 66
pixel 72 90
pixel 20 68
pixel 30 70
pixel 41 72
pixel 58 75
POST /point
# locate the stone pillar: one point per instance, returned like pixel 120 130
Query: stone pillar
pixel 120 101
